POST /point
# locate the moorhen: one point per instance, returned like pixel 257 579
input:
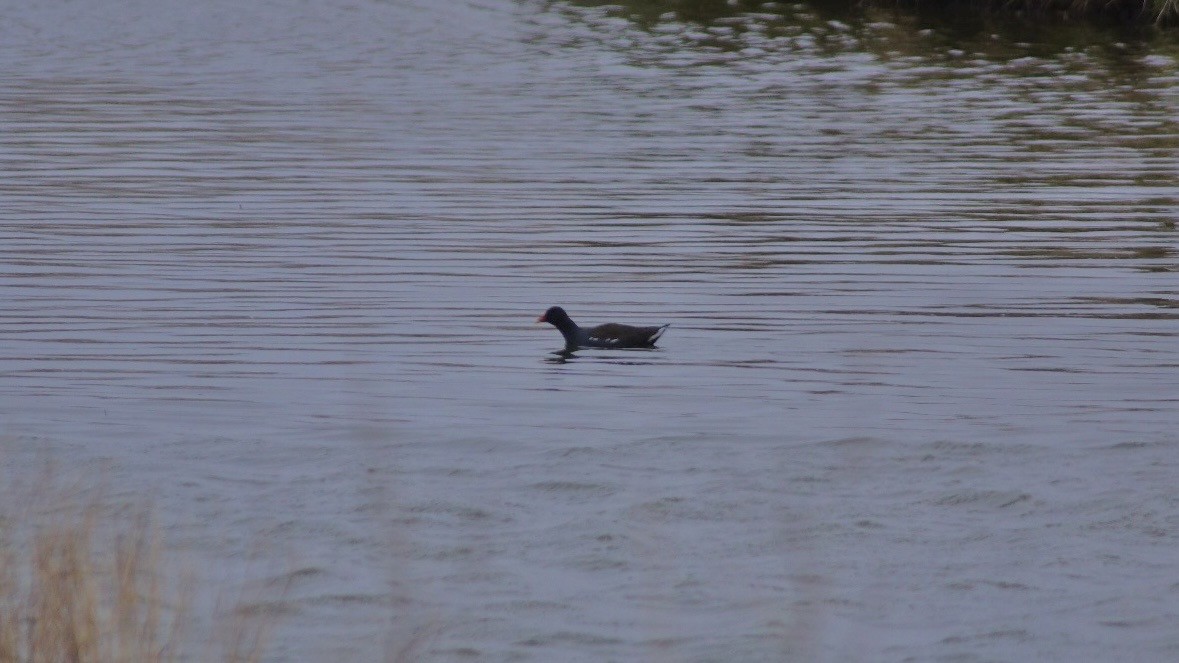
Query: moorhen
pixel 609 335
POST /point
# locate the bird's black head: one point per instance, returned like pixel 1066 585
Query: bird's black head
pixel 554 316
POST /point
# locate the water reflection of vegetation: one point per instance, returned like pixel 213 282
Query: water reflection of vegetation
pixel 966 14
pixel 720 30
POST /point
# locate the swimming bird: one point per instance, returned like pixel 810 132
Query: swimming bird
pixel 609 335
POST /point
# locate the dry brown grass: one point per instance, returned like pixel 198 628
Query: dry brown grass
pixel 1156 10
pixel 1165 10
pixel 81 582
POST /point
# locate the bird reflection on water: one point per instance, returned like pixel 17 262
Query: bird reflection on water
pixel 566 356
pixel 560 357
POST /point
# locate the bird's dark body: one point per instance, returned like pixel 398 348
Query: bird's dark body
pixel 609 335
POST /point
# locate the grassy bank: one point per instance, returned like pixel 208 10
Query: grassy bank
pixel 83 582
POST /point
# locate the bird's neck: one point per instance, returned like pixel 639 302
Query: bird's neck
pixel 568 329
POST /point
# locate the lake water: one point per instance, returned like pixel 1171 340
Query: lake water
pixel 277 266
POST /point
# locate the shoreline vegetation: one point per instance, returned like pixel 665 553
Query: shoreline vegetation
pixel 86 581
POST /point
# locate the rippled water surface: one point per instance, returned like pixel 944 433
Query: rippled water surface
pixel 278 265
